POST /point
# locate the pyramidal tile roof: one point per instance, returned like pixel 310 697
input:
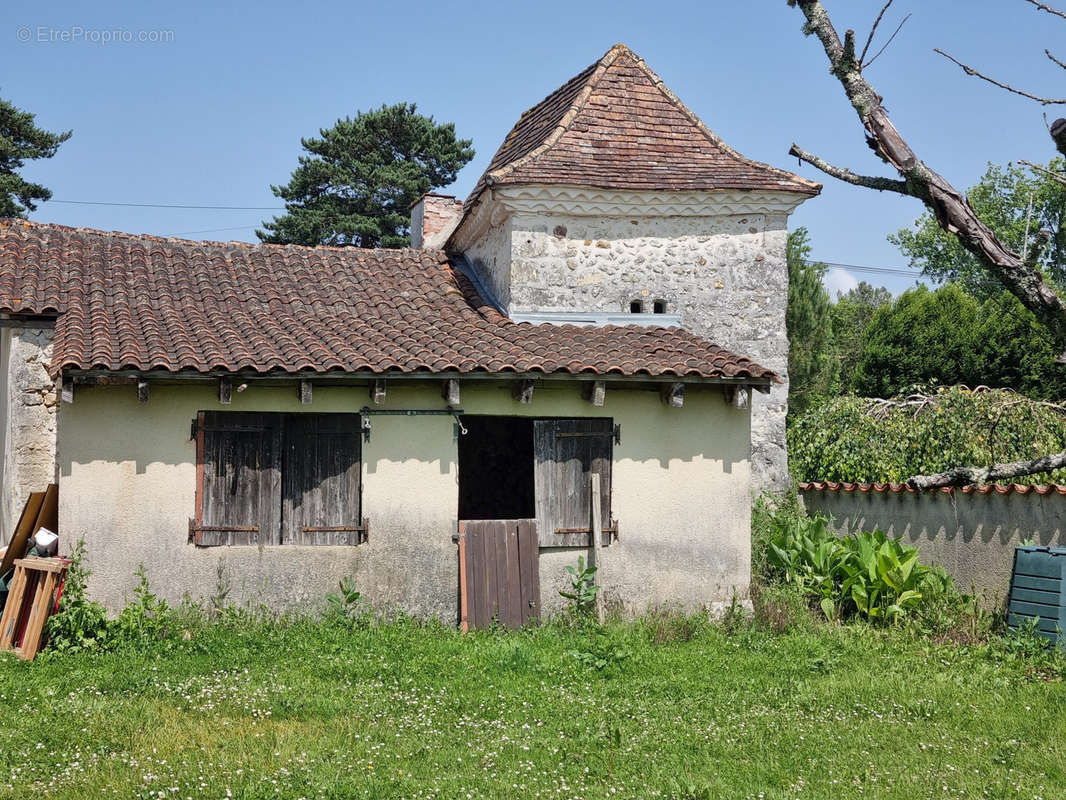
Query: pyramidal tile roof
pixel 616 126
pixel 129 302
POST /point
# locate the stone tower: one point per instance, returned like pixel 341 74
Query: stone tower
pixel 610 202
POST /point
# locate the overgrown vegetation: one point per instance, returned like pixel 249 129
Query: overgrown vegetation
pixel 856 439
pixel 183 702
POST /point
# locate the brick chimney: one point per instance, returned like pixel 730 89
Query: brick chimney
pixel 433 218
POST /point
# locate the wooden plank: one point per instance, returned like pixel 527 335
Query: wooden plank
pixel 514 577
pixel 673 395
pixel 529 558
pixel 464 582
pixel 48 516
pixel 597 543
pixel 450 392
pixel 16 547
pixel 321 478
pixel 567 452
pixel 492 587
pixel 476 550
pixel 597 393
pixel 500 569
pixel 377 392
pixel 9 620
pixel 523 391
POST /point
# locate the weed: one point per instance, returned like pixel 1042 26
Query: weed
pixel 583 588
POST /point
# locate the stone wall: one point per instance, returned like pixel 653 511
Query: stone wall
pixel 970 534
pixel 28 420
pixel 724 273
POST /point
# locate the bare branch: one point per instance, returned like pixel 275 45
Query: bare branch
pixel 964 476
pixel 1044 170
pixel 846 175
pixel 1048 54
pixel 947 204
pixel 873 30
pixel 1048 9
pixel 884 47
pixel 1044 101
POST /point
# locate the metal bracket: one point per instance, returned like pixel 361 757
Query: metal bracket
pixel 365 425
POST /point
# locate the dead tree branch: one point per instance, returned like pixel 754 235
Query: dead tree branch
pixel 1048 54
pixel 964 476
pixel 884 47
pixel 846 175
pixel 948 205
pixel 1048 9
pixel 873 30
pixel 1044 101
pixel 1044 171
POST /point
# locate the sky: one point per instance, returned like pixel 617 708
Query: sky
pixel 205 103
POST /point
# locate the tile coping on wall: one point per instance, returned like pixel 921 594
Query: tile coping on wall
pixel 899 488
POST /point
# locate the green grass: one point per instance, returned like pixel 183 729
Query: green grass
pixel 402 710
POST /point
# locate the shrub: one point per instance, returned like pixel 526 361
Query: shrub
pixel 864 440
pixel 80 624
pixel 870 574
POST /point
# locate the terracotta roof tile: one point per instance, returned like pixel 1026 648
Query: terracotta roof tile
pixel 128 302
pixel 616 126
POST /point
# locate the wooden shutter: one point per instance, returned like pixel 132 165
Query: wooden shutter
pixel 321 480
pixel 239 466
pixel 567 452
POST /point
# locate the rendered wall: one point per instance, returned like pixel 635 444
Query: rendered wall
pixel 680 493
pixel 27 419
pixel 972 536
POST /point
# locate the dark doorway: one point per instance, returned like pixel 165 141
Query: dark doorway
pixel 496 468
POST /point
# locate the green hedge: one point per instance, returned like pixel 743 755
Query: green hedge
pixel 862 439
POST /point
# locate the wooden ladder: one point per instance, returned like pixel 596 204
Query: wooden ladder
pixel 29 604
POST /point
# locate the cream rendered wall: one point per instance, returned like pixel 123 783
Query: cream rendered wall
pixel 680 493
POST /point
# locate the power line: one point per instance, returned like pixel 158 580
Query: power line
pixel 169 205
pixel 867 270
pixel 216 230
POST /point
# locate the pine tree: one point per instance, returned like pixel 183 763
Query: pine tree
pixel 21 139
pixel 356 182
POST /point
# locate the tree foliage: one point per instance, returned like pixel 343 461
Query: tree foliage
pixel 1015 205
pixel 852 313
pixel 356 182
pixel 21 140
pixel 946 336
pixel 811 363
pixel 854 439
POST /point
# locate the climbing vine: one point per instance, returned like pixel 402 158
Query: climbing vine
pixel 868 439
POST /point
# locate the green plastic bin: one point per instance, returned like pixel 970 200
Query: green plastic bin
pixel 1038 591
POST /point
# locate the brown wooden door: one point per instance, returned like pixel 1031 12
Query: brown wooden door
pixel 568 452
pixel 499 579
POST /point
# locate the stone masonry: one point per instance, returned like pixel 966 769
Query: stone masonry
pixel 719 264
pixel 28 420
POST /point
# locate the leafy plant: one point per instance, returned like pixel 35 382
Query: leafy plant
pixel 601 650
pixel 345 604
pixel 145 620
pixel 583 588
pixel 871 574
pixel 80 624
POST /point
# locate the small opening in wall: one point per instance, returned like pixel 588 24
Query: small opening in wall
pixel 636 306
pixel 659 306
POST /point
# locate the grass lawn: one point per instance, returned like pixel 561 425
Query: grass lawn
pixel 401 710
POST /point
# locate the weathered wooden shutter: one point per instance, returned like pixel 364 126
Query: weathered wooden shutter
pixel 321 483
pixel 239 465
pixel 567 453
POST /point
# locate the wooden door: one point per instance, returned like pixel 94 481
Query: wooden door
pixel 567 453
pixel 499 579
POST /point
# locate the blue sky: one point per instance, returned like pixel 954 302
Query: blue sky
pixel 213 114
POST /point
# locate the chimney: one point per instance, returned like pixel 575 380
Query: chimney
pixel 433 218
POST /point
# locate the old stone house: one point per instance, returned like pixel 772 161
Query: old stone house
pixel 427 420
